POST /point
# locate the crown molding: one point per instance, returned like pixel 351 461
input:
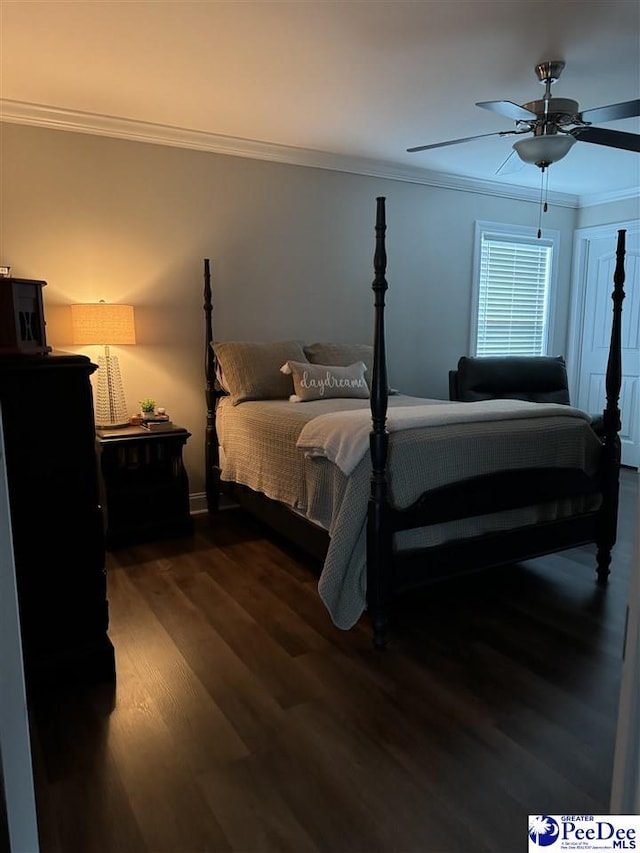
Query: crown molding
pixel 19 112
pixel 606 198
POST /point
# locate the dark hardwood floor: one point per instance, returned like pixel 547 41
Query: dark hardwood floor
pixel 242 720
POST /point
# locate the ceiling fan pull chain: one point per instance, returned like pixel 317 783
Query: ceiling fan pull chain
pixel 546 190
pixel 544 195
pixel 541 202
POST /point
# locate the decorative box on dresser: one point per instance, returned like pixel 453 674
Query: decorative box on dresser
pixel 56 518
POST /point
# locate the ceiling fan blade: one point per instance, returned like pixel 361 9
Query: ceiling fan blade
pixel 510 165
pixel 457 141
pixel 612 138
pixel 627 109
pixel 507 109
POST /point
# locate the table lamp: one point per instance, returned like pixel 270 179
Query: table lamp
pixel 100 323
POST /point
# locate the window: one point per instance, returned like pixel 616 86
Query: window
pixel 514 277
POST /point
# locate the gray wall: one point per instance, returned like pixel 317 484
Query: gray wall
pixel 291 251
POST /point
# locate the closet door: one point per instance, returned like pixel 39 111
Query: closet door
pixel 595 261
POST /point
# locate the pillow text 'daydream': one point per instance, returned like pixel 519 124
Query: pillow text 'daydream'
pixel 325 381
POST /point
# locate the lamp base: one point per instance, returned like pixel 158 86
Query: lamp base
pixel 112 426
pixel 111 407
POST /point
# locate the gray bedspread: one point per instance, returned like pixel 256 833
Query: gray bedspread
pixel 258 449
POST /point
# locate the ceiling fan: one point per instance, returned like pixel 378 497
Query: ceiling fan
pixel 556 123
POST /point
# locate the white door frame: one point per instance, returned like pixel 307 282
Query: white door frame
pixel 15 743
pixel 578 288
pixel 625 788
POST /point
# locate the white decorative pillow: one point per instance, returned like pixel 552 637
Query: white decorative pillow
pixel 251 369
pixel 326 381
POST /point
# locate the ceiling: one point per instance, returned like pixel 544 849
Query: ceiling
pixel 357 78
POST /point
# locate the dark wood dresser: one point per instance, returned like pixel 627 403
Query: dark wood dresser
pixel 56 519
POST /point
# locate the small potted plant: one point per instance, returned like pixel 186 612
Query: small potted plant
pixel 147 407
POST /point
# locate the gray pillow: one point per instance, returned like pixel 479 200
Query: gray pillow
pixel 251 369
pixel 341 354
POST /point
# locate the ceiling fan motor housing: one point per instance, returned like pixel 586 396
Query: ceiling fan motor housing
pixel 561 111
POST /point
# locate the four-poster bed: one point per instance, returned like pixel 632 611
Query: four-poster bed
pixel 443 487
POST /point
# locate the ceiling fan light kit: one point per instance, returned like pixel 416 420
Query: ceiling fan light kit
pixel 542 151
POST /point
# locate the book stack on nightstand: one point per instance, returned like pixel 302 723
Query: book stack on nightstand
pixel 157 423
pixel 144 484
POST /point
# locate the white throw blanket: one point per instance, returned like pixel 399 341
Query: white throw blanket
pixel 343 437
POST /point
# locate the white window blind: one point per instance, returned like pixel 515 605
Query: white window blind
pixel 513 289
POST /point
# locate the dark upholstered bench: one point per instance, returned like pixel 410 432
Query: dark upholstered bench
pixel 540 379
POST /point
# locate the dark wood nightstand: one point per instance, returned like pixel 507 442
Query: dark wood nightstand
pixel 144 484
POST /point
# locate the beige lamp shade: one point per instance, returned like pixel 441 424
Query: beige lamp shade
pixel 102 323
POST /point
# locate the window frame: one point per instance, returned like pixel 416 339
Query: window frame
pixel 522 234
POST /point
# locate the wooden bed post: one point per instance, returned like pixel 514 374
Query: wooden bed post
pixel 211 461
pixel 610 472
pixel 378 531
